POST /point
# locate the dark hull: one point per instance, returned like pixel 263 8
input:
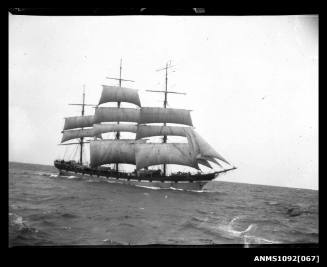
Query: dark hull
pixel 179 181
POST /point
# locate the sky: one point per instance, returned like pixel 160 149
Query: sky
pixel 251 83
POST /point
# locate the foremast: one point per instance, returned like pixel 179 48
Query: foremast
pixel 69 131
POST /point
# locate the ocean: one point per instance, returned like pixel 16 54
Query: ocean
pixel 49 210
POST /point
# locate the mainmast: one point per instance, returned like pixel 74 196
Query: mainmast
pixel 118 103
pixel 166 92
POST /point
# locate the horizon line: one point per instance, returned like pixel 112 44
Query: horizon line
pixel 211 181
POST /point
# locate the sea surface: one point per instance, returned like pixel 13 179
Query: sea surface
pixel 47 209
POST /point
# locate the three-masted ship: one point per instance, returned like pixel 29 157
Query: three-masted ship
pixel 148 159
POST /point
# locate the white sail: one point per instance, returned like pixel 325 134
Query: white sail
pixel 119 94
pixel 204 162
pixel 165 115
pixel 171 153
pixel 213 160
pixel 106 128
pixel 202 148
pixel 111 114
pixel 112 151
pixel 156 130
pixel 78 122
pixel 73 134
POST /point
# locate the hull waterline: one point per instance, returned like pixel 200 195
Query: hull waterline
pixel 191 186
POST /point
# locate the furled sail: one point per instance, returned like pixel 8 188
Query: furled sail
pixel 111 114
pixel 202 148
pixel 112 151
pixel 165 115
pixel 171 153
pixel 72 134
pixel 78 122
pixel 106 128
pixel 156 130
pixel 119 94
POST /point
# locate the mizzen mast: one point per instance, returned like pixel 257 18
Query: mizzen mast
pixel 166 92
pixel 120 79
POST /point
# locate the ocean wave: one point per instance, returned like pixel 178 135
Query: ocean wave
pixel 93 181
pixel 14 207
pixel 68 215
pixel 255 240
pixel 47 174
pixel 21 234
pixel 68 177
pixel 177 189
pixel 248 234
pixel 272 203
pixel 28 236
pixel 66 227
pixel 24 173
pixel 16 220
pixel 48 216
pixel 127 224
pixel 73 177
pixel 150 187
pixel 197 219
pixel 298 210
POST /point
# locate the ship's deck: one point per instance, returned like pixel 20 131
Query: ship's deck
pixel 144 175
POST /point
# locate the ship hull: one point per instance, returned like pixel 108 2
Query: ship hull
pixel 186 182
pixel 194 186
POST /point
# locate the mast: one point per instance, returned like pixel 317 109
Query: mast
pixel 165 106
pixel 82 138
pixel 168 65
pixel 81 142
pixel 120 79
pixel 118 105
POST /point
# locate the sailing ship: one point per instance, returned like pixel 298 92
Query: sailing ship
pixel 149 160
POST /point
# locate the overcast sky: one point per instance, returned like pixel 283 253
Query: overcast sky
pixel 252 83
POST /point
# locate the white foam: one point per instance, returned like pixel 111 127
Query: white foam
pixel 247 234
pixel 178 189
pixel 47 174
pixel 273 203
pixel 114 182
pixel 18 220
pixel 249 239
pixel 199 191
pixel 149 187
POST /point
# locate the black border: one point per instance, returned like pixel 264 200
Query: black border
pixel 217 253
pixel 117 11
